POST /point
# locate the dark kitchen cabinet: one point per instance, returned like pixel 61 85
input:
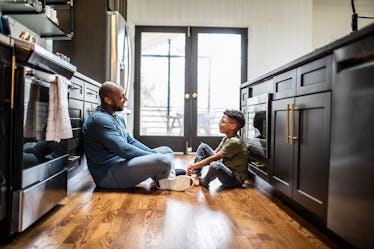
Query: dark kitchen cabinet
pixel 76 112
pixel 314 76
pixel 282 156
pixel 300 145
pixel 74 144
pixel 309 78
pixel 285 85
pixel 83 98
pixel 33 15
pixel 321 143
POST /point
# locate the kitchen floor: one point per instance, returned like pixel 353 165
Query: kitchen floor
pixel 149 218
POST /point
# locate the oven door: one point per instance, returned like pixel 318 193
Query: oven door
pixel 40 158
pixel 257 130
pixel 39 181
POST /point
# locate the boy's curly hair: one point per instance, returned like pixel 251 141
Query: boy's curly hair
pixel 238 116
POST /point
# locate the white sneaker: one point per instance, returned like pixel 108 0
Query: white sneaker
pixel 178 183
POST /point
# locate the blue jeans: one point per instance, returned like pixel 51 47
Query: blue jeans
pixel 129 173
pixel 216 169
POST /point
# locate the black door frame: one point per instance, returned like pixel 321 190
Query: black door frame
pixel 175 142
pixel 190 139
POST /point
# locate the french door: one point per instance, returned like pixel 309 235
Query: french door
pixel 184 79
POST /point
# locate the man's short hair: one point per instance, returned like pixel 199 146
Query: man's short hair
pixel 106 90
pixel 238 116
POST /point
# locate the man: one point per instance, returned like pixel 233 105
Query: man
pixel 229 161
pixel 115 159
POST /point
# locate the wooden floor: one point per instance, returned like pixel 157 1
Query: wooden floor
pixel 147 218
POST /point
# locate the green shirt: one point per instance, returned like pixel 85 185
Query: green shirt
pixel 235 154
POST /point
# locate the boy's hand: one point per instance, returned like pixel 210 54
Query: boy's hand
pixel 189 169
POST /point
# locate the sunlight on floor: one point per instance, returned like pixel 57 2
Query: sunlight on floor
pixel 195 226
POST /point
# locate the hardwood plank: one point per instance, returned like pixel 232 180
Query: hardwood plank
pixel 142 217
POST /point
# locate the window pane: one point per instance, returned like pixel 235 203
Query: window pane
pixel 162 84
pixel 219 64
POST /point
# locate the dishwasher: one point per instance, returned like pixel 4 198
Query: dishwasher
pixel 351 188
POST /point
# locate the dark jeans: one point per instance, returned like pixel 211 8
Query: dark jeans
pixel 216 169
pixel 129 173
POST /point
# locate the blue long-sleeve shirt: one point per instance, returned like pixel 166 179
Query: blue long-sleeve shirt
pixel 107 142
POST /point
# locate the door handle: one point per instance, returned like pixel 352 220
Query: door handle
pixel 188 96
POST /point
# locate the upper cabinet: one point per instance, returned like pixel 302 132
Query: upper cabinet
pixel 41 16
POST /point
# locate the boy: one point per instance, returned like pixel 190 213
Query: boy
pixel 229 161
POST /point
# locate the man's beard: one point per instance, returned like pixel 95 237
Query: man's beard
pixel 117 108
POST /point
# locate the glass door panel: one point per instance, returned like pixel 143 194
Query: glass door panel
pixel 162 83
pixel 218 79
pixel 184 79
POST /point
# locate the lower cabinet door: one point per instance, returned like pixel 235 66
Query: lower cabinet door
pixel 300 150
pixel 311 152
pixel 281 171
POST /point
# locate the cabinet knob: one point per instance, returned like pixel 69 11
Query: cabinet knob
pixel 187 96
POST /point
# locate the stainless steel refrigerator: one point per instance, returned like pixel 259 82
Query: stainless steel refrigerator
pixel 118 50
pixel 100 47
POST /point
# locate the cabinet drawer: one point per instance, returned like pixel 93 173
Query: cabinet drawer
pixel 77 90
pixel 315 76
pixel 285 85
pixel 76 113
pixel 263 87
pixel 32 203
pixel 88 108
pixel 92 93
pixel 75 108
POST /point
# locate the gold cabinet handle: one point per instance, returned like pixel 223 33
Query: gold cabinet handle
pixel 292 116
pixel 293 108
pixel 287 123
pixel 187 96
pixel 194 95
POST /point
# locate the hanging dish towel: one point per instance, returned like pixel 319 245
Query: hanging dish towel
pixel 58 124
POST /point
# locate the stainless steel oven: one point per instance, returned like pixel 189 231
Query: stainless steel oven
pixel 39 181
pixel 256 130
pixel 33 173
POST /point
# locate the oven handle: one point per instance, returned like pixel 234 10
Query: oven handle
pixel 12 83
pixel 2 126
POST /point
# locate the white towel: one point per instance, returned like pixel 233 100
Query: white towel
pixel 58 124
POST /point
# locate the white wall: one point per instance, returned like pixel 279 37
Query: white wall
pixel 278 30
pixel 332 19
